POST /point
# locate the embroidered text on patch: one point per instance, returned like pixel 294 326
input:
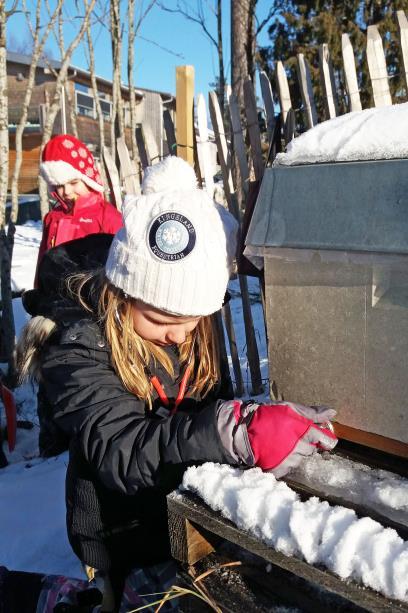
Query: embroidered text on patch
pixel 172 236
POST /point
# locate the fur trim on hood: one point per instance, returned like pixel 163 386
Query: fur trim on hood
pixel 30 343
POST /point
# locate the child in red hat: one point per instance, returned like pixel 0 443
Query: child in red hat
pixel 74 181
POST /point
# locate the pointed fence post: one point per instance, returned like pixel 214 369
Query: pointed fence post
pixel 224 157
pixel 238 142
pixel 170 132
pixel 113 178
pixel 269 106
pixel 251 113
pixel 283 90
pixel 350 74
pixel 128 169
pixel 142 148
pixel 204 156
pixel 184 112
pixel 403 25
pixel 328 82
pixel 377 68
pixel 306 90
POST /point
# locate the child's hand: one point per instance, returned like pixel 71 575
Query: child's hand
pixel 275 437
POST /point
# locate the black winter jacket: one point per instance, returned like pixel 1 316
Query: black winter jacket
pixel 124 459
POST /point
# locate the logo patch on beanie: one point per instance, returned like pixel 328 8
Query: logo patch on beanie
pixel 171 236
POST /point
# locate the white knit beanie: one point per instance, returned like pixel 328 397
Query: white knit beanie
pixel 176 248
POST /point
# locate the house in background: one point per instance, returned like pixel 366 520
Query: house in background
pixel 78 89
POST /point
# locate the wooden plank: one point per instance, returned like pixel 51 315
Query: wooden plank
pixel 289 127
pixel 144 155
pixel 187 543
pixel 151 144
pixel 350 74
pixel 377 68
pixel 113 178
pixel 267 97
pixel 328 83
pixel 170 132
pixel 184 112
pixel 403 26
pixel 376 441
pixel 203 151
pixel 224 158
pixel 283 90
pixel 127 167
pixel 251 113
pixel 306 90
pixel 236 365
pixel 238 141
pixel 326 584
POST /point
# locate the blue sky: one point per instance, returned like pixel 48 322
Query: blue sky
pixel 155 68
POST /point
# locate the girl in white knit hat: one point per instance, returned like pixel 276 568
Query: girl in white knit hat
pixel 131 369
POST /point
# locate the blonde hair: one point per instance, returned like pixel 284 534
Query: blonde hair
pixel 131 353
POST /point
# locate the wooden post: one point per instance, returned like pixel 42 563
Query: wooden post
pixel 184 112
pixel 238 141
pixel 350 74
pixel 306 89
pixel 128 169
pixel 327 81
pixel 113 178
pixel 144 155
pixel 267 98
pixel 403 25
pixel 251 113
pixel 377 68
pixel 283 90
pixel 204 158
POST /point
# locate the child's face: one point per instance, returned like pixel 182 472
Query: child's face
pixel 72 190
pixel 159 327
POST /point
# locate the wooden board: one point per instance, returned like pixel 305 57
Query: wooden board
pixel 377 68
pixel 376 441
pixel 184 112
pixel 350 74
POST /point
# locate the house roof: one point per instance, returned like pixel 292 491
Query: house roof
pixel 20 58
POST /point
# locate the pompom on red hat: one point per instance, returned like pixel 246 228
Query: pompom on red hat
pixel 66 158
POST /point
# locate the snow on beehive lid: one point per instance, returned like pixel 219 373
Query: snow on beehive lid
pixel 372 134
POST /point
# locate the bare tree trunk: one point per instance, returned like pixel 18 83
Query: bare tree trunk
pixel 4 133
pixel 221 93
pixel 65 87
pixel 38 46
pixel 240 19
pixel 132 94
pixel 55 104
pixel 118 124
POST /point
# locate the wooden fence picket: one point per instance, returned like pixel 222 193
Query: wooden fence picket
pixel 403 26
pixel 204 157
pixel 253 128
pixel 151 144
pixel 238 142
pixel 113 178
pixel 267 97
pixel 289 127
pixel 306 90
pixel 327 82
pixel 142 148
pixel 377 68
pixel 128 169
pixel 283 90
pixel 170 132
pixel 350 74
pixel 224 157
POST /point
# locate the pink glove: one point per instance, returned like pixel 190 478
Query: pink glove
pixel 275 437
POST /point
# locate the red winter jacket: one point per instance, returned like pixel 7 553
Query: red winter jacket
pixel 91 214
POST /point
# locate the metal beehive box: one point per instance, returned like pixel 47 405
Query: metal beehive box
pixel 334 241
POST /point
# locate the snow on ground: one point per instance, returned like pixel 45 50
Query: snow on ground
pixel 373 134
pixel 335 537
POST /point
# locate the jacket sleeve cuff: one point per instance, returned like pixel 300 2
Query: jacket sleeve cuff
pixel 233 432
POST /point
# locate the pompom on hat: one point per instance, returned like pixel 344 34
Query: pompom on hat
pixel 177 246
pixel 66 158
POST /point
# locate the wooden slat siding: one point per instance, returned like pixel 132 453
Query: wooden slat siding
pixel 142 148
pixel 283 90
pixel 253 129
pixel 269 106
pixel 403 25
pixel 28 181
pixel 236 365
pixel 238 141
pixel 184 112
pixel 306 90
pixel 170 132
pixel 328 82
pixel 127 167
pixel 350 73
pixel 225 163
pixel 113 178
pixel 377 68
pixel 206 166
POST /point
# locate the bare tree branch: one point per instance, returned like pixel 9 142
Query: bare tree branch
pixel 197 17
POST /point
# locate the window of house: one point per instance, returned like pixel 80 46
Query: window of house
pixel 85 104
pixel 81 88
pixel 106 107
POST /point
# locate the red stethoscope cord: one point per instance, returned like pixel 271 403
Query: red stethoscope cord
pixel 182 385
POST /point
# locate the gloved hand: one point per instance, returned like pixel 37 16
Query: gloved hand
pixel 274 437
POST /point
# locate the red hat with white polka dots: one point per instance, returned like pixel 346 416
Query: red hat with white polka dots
pixel 66 158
